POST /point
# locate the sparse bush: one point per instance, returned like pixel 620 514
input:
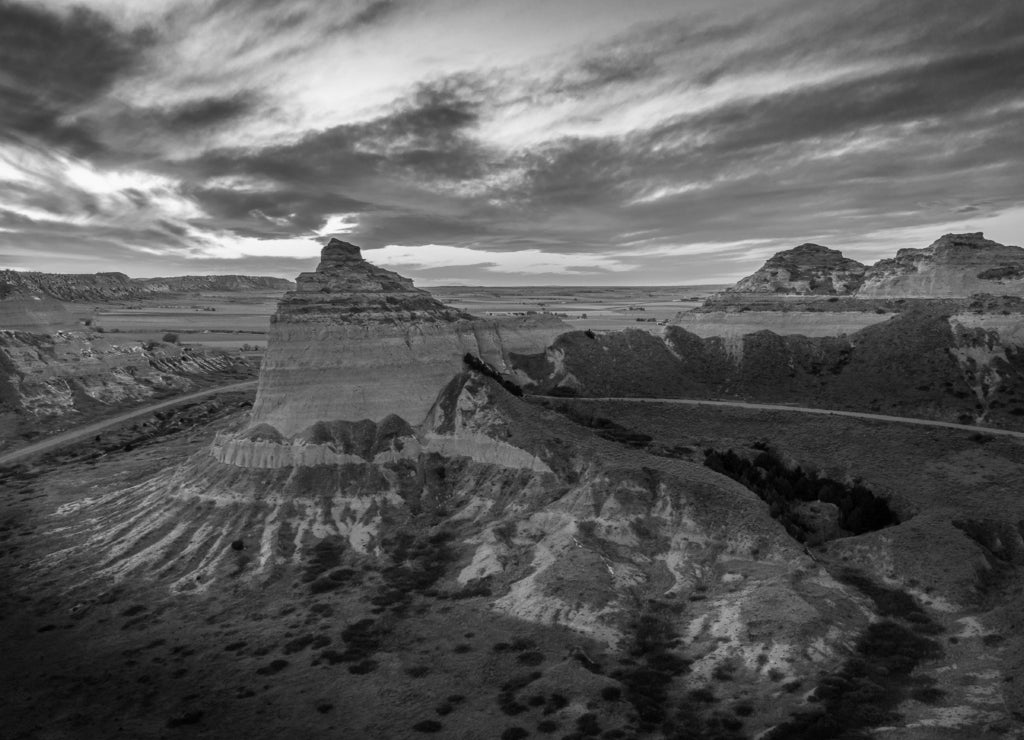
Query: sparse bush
pixel 532 657
pixel 170 337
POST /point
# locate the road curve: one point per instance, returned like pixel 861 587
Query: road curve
pixel 804 410
pixel 79 433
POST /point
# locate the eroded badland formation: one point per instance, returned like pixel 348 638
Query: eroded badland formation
pixel 428 523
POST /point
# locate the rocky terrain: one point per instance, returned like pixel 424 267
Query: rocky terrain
pixel 50 381
pixel 809 269
pixel 103 287
pixel 954 266
pixel 934 360
pixel 393 521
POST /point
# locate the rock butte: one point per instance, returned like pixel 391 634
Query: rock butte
pixel 954 266
pixel 354 341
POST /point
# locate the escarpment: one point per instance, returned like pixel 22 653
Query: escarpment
pixel 355 341
pixel 809 269
pixel 953 266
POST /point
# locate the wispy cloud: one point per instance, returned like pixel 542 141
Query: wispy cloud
pixel 583 139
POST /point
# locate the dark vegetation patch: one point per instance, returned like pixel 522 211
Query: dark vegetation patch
pixel 428 725
pixel 868 687
pixel 507 698
pixel 324 556
pixel 784 489
pixel 605 428
pixel 475 363
pixel 655 667
pixel 186 718
pixel 275 666
pixel 418 562
pixel 891 602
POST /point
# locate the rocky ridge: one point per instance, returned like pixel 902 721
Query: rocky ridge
pixel 809 269
pixel 938 361
pixel 954 266
pixel 52 378
pixel 216 283
pixel 116 286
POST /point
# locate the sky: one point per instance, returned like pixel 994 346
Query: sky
pixel 492 142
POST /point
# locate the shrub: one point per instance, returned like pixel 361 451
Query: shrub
pixel 170 337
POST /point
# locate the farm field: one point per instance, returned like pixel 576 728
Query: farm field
pixel 230 321
pixel 213 320
pixel 584 307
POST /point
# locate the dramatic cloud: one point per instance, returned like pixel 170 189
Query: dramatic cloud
pixel 571 141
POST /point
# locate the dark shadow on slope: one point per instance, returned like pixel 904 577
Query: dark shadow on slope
pixel 791 495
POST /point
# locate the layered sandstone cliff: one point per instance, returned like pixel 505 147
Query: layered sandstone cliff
pixel 355 341
pixel 954 266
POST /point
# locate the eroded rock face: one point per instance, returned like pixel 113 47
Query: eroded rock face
pixel 48 375
pixel 806 269
pixel 954 266
pixel 355 341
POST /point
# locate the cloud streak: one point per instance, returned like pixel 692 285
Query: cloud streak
pixel 667 142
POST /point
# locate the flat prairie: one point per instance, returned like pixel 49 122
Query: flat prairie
pixel 216 320
pixel 582 307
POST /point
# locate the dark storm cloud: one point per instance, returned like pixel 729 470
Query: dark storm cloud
pixel 357 168
pixel 373 14
pixel 51 65
pixel 210 111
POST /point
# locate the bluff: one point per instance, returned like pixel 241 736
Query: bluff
pixel 355 341
pixel 220 283
pixel 937 360
pixel 100 286
pixel 116 286
pixel 806 269
pixel 954 266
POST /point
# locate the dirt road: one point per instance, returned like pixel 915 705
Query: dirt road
pixel 80 433
pixel 807 410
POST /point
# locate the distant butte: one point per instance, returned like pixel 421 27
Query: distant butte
pixel 954 266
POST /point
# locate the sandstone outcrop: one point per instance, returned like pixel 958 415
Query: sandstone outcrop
pixel 354 341
pixel 954 266
pixel 49 378
pixel 937 360
pixel 809 269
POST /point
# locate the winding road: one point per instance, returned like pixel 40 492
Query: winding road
pixel 805 410
pixel 80 433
